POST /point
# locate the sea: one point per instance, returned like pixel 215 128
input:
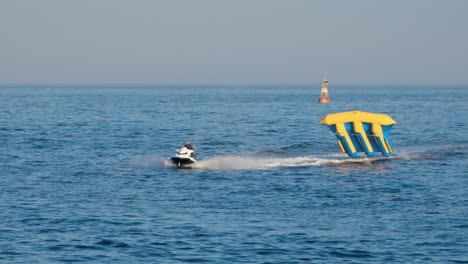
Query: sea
pixel 85 175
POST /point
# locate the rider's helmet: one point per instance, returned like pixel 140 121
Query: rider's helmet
pixel 187 143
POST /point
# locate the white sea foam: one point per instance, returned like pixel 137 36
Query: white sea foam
pixel 253 162
pixel 150 162
pixel 258 163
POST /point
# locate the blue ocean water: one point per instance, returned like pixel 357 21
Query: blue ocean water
pixel 84 176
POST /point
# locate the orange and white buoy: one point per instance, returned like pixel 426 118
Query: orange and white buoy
pixel 324 93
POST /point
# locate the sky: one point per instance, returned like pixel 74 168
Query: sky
pixel 233 42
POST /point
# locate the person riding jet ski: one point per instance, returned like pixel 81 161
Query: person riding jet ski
pixel 185 156
pixel 188 146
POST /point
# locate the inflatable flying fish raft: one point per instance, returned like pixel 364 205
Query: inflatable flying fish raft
pixel 359 131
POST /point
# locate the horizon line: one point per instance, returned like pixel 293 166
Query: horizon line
pixel 224 84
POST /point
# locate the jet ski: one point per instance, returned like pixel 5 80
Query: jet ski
pixel 184 158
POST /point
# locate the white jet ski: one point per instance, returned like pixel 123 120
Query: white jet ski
pixel 184 158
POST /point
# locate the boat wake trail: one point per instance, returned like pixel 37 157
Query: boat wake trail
pixel 235 162
pixel 244 162
pixel 430 152
pixel 150 162
pixel 260 162
pixel 240 162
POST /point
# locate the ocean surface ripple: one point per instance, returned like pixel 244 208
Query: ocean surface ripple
pixel 85 176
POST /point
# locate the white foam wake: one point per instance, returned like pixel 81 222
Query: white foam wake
pixel 253 162
pixel 150 162
pixel 239 162
pixel 235 162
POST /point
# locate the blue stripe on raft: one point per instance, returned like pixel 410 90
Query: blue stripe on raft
pixel 368 128
pixel 356 143
pixel 382 147
pixel 364 146
pixel 347 147
pixel 390 145
pixel 386 132
pixel 375 143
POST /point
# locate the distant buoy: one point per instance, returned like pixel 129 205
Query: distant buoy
pixel 324 93
pixel 324 100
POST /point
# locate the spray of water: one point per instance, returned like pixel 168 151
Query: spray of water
pixel 255 162
pixel 150 162
pixel 238 162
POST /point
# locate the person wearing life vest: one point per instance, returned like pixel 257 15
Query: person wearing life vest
pixel 188 146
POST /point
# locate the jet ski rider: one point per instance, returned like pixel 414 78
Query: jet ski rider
pixel 188 146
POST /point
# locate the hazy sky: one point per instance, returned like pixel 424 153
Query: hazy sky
pixel 234 42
